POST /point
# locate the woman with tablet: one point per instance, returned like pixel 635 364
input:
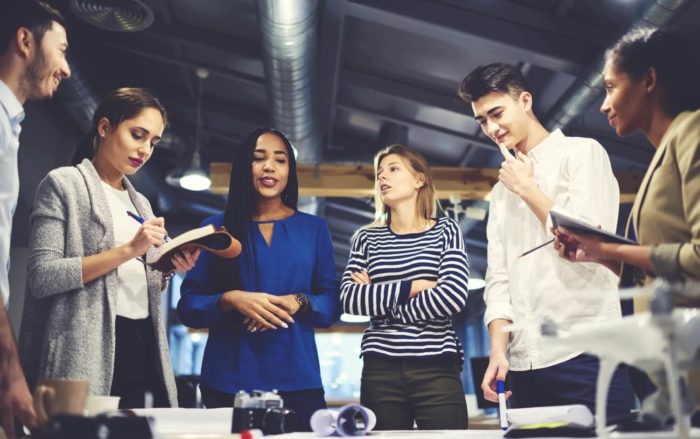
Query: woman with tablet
pixel 651 83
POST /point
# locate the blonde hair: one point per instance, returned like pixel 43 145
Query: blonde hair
pixel 427 203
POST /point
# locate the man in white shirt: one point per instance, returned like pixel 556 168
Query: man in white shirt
pixel 548 171
pixel 33 47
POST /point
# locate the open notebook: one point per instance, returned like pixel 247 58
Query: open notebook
pixel 208 238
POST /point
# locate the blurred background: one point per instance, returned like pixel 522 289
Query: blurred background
pixel 343 78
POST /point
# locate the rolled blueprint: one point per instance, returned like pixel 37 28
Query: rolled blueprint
pixel 350 420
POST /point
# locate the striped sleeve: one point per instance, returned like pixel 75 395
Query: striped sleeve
pixel 376 299
pixel 450 295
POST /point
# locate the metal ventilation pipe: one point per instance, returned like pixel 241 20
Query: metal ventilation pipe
pixel 289 35
pixel 589 85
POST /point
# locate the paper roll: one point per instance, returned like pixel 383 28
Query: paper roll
pixel 350 420
pixel 323 422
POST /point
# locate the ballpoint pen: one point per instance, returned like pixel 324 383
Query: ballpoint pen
pixel 536 248
pixel 140 219
pixel 501 390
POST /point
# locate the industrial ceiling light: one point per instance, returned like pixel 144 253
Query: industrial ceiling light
pixel 196 176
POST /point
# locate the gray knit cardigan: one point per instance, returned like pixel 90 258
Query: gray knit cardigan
pixel 68 328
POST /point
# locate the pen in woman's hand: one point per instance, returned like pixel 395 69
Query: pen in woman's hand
pixel 141 220
pixel 537 248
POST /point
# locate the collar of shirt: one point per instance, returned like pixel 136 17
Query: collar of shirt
pixel 13 108
pixel 544 149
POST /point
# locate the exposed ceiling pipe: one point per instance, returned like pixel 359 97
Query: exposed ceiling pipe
pixel 289 32
pixel 589 85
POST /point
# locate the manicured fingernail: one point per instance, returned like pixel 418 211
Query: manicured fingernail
pixel 284 325
pixel 254 329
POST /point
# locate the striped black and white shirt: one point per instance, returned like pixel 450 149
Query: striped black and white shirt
pixel 403 327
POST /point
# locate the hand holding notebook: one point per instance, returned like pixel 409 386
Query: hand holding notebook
pixel 208 238
pixel 562 220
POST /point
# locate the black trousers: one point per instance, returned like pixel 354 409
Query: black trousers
pixel 303 402
pixel 401 391
pixel 137 367
pixel 571 382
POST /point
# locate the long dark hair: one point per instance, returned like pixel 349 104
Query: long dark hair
pixel 242 197
pixel 119 105
pixel 675 59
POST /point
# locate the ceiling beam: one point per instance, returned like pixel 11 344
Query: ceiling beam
pixel 332 24
pixel 163 10
pixel 511 40
pixel 357 181
pixel 241 78
pixel 554 22
pixel 195 36
pixel 445 109
pixel 452 135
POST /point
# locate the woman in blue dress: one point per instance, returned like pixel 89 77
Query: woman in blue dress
pixel 261 308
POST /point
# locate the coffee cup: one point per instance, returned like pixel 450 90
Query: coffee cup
pixel 101 404
pixel 59 396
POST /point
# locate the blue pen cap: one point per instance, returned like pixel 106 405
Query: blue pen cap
pixel 500 387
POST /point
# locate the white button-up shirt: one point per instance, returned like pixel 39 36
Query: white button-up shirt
pixel 575 173
pixel 11 115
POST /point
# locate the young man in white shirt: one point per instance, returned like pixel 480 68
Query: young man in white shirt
pixel 548 171
pixel 33 47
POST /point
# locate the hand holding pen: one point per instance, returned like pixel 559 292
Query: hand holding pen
pixel 142 220
pixel 151 232
pixel 502 408
pixel 155 234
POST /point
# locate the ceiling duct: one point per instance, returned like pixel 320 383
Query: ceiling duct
pixel 114 15
pixel 289 34
pixel 589 85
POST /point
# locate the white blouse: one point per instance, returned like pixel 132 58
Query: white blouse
pixel 132 296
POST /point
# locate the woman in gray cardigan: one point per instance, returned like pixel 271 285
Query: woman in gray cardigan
pixel 92 310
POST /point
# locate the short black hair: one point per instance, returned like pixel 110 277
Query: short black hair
pixel 497 77
pixel 676 61
pixel 35 15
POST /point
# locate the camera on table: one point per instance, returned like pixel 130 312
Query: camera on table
pixel 263 411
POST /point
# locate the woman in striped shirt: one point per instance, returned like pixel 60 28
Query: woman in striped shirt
pixel 408 271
